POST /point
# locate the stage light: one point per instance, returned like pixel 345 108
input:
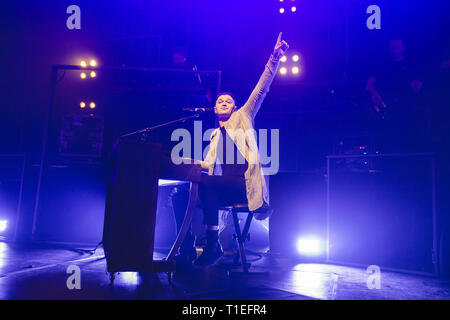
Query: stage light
pixel 92 105
pixel 283 59
pixel 3 225
pixel 295 70
pixel 83 75
pixel 283 70
pixel 82 105
pixel 93 63
pixel 294 8
pixel 295 58
pixel 281 10
pixel 308 246
pixel 83 64
pixel 130 277
pixel 93 74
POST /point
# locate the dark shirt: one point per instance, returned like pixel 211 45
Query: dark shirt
pixel 234 168
pixel 394 82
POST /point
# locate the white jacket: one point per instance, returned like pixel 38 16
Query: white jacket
pixel 240 128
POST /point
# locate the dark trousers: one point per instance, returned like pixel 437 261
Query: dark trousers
pixel 219 191
pixel 214 192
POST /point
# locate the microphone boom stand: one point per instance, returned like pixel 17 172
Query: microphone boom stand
pixel 148 129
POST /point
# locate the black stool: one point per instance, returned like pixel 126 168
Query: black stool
pixel 242 236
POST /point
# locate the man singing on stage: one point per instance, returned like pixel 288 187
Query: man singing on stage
pixel 234 170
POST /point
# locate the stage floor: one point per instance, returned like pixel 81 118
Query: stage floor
pixel 40 272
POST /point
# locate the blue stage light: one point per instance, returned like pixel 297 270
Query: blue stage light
pixel 130 277
pixel 3 225
pixel 308 246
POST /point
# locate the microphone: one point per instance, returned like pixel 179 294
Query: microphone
pixel 195 69
pixel 201 109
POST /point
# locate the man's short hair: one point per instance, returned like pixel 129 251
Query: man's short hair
pixel 228 94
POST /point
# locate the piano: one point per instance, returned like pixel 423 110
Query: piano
pixel 131 203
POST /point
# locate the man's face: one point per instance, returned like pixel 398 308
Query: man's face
pixel 225 105
pixel 396 49
pixel 178 58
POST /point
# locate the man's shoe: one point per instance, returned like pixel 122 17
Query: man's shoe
pixel 210 255
pixel 264 212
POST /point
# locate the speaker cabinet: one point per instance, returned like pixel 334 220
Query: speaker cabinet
pixel 381 211
pixel 12 167
pixel 72 204
pixel 299 203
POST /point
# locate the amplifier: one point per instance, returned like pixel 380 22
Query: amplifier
pixel 383 213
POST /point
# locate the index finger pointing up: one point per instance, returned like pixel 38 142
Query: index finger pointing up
pixel 279 37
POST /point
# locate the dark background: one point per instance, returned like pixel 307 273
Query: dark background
pixel 324 105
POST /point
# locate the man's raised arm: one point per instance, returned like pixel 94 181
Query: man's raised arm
pixel 251 107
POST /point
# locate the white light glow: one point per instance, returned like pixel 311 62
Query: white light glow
pixel 130 277
pixel 308 246
pixel 3 225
